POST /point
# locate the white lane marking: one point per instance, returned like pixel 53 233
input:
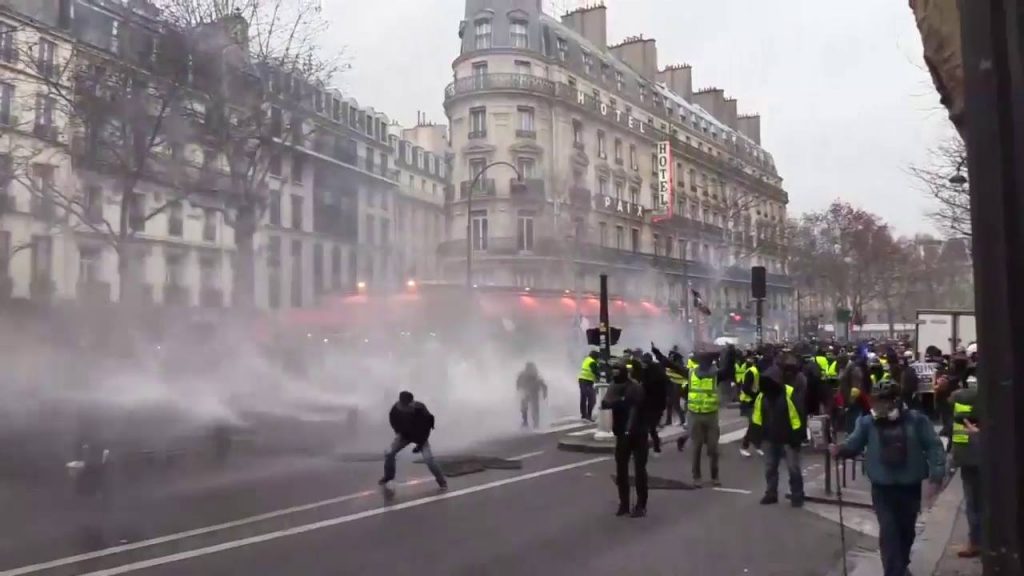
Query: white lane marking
pixel 527 455
pixel 113 550
pixel 732 490
pixel 564 427
pixel 190 533
pixel 141 565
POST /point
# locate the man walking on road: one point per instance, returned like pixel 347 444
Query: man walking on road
pixel 625 398
pixel 530 387
pixel 776 421
pixel 901 451
pixel 967 459
pixel 412 423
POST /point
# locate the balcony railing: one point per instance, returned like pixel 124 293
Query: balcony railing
pixel 529 188
pixel 484 187
pixel 526 134
pixel 478 134
pixel 580 198
pixel 482 82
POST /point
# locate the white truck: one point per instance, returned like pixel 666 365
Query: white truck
pixel 947 330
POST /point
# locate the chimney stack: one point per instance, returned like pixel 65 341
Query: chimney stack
pixel 729 113
pixel 750 126
pixel 679 79
pixel 712 100
pixel 640 54
pixel 591 22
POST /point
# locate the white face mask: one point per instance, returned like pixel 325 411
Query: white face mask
pixel 892 415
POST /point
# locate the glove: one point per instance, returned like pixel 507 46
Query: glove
pixel 417 448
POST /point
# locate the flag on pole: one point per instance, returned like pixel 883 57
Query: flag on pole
pixel 699 304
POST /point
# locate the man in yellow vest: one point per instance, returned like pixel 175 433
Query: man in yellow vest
pixel 750 382
pixel 967 458
pixel 675 394
pixel 702 411
pixel 587 378
pixel 777 423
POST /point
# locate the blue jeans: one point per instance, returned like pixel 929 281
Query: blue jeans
pixel 773 455
pixel 399 444
pixel 973 497
pixel 896 507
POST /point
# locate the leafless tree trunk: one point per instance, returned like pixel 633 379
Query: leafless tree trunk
pixel 944 182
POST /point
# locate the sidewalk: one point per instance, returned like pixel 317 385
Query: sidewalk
pixel 940 532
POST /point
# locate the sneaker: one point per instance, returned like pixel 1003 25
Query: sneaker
pixel 769 499
pixel 716 483
pixel 745 452
pixel 383 482
pixel 698 483
pixel 760 452
pixel 797 502
pixel 969 551
pixel 622 511
pixel 442 486
pixel 639 512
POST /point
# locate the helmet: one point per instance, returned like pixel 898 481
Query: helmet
pixel 887 389
pixel 972 348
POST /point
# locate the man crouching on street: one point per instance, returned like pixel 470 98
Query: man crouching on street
pixel 412 423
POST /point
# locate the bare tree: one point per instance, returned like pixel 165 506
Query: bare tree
pixel 255 60
pixel 103 120
pixel 945 182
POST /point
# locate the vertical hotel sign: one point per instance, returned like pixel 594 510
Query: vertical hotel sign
pixel 665 204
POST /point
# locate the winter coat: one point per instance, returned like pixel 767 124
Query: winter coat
pixel 925 457
pixel 412 422
pixel 656 386
pixel 626 401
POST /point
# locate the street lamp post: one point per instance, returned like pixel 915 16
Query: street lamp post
pixel 469 216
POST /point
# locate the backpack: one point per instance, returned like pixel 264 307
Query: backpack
pixel 894 441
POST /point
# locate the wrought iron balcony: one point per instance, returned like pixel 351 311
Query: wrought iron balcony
pixel 529 188
pixel 484 187
pixel 488 82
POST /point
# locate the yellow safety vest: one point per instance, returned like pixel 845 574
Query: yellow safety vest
pixel 703 397
pixel 832 373
pixel 960 435
pixel 676 378
pixel 587 370
pixel 741 372
pixel 794 416
pixel 822 365
pixel 691 365
pixel 757 384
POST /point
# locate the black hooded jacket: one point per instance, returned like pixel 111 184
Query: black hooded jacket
pixel 412 422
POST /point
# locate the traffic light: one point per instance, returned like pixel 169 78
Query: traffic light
pixel 594 336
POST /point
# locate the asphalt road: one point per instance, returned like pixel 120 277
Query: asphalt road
pixel 315 516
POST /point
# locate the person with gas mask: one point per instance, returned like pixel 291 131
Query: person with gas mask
pixel 625 398
pixel 901 451
pixel 777 424
pixel 530 387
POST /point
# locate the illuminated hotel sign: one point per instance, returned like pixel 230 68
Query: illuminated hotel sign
pixel 664 207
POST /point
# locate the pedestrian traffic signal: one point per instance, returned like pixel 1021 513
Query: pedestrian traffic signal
pixel 594 336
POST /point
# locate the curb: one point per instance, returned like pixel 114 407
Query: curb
pixel 939 523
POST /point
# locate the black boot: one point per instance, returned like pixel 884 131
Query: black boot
pixel 639 512
pixel 623 510
pixel 770 499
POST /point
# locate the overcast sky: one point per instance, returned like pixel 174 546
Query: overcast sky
pixel 845 100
